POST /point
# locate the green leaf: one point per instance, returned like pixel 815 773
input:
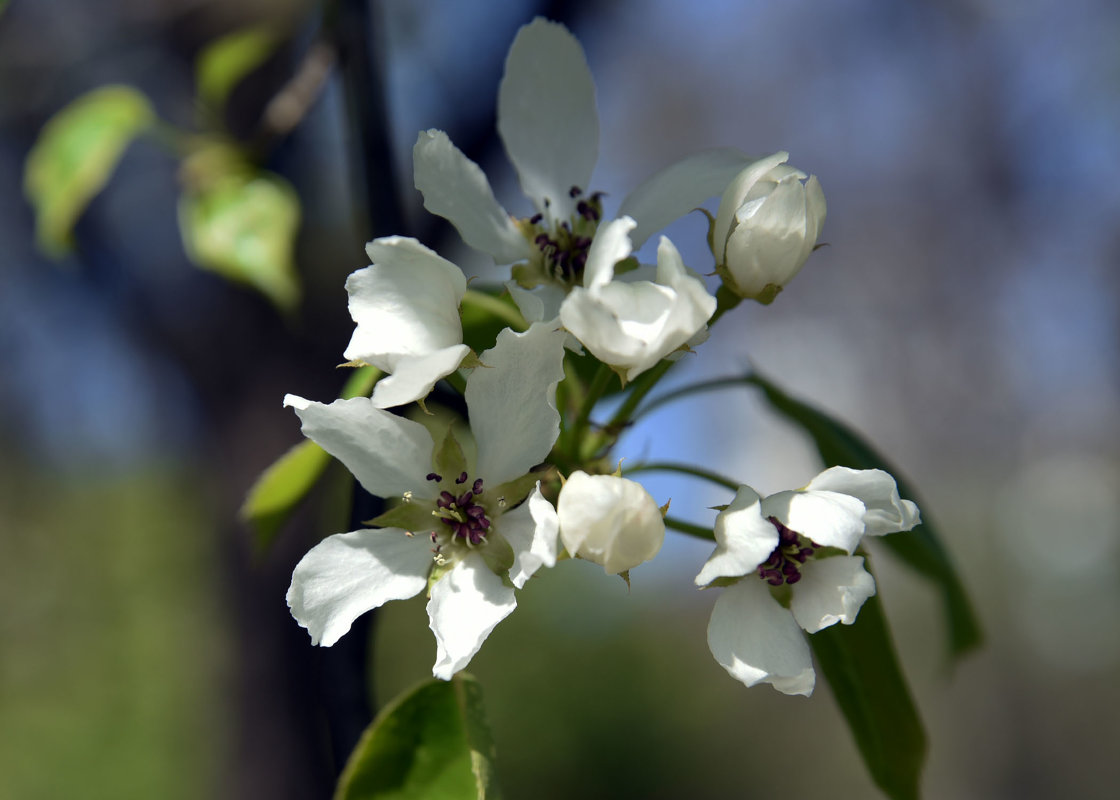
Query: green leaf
pixel 227 60
pixel 243 226
pixel 485 314
pixel 75 154
pixel 281 487
pixel 431 743
pixel 920 549
pixel 860 665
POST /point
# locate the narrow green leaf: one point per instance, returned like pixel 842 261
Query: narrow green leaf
pixel 223 63
pixel 75 154
pixel 431 743
pixel 860 665
pixel 920 549
pixel 281 487
pixel 243 226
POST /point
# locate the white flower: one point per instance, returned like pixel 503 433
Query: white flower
pixel 609 520
pixel 775 540
pixel 453 531
pixel 406 307
pixel 631 325
pixel 550 128
pixel 768 220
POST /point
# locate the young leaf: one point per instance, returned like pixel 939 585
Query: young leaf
pixel 223 63
pixel 920 549
pixel 431 742
pixel 75 154
pixel 859 663
pixel 243 226
pixel 282 486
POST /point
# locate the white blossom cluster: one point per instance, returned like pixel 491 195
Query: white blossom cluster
pixel 472 517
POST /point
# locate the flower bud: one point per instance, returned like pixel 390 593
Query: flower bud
pixel 767 225
pixel 611 521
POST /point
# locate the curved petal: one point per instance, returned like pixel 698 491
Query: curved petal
pixel 531 529
pixel 758 641
pixel 610 521
pixel 876 489
pixel 547 117
pixel 744 539
pixel 511 401
pixel 734 195
pixel 831 590
pixel 679 189
pixel 610 245
pixel 405 304
pixel 348 574
pixel 388 455
pixel 769 245
pixel 466 604
pixel 456 188
pixel 415 377
pixel 539 304
pixel 830 519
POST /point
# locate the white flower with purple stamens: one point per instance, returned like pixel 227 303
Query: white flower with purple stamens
pixel 458 529
pixel 784 540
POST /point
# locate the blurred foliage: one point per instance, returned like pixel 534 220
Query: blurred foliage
pixel 76 153
pixel 227 60
pixel 432 743
pixel 112 662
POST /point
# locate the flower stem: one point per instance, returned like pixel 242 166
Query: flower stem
pixel 685 469
pixel 595 391
pixel 691 529
pixel 696 388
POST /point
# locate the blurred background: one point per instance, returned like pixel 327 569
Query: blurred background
pixel 964 317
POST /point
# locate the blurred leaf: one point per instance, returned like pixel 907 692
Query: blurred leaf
pixel 227 60
pixel 920 549
pixel 243 226
pixel 281 487
pixel 431 743
pixel 860 665
pixel 75 153
pixel 486 313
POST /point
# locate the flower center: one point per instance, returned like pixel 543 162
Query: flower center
pixel 560 247
pixel 465 520
pixel 784 563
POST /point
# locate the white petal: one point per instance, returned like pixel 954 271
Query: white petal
pixel 511 401
pixel 456 188
pixel 830 519
pixel 758 641
pixel 348 574
pixel 744 539
pixel 388 455
pixel 540 304
pixel 415 377
pixel 546 115
pixel 531 529
pixel 609 520
pixel 831 590
pixel 610 245
pixel 770 245
pixel 876 489
pixel 405 304
pixel 679 189
pixel 735 194
pixel 466 604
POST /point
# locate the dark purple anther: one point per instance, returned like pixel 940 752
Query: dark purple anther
pixel 462 478
pixel 536 218
pixel 574 192
pixel 465 500
pixel 783 565
pixel 542 241
pixel 477 488
pixel 431 476
pixel 445 499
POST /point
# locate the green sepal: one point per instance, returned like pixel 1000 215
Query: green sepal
pixel 625 575
pixel 471 361
pixel 769 292
pixel 515 491
pixel 860 665
pixel 76 152
pixel 921 548
pixel 497 553
pixel 449 461
pixel 412 517
pixel 430 742
pixel 711 236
